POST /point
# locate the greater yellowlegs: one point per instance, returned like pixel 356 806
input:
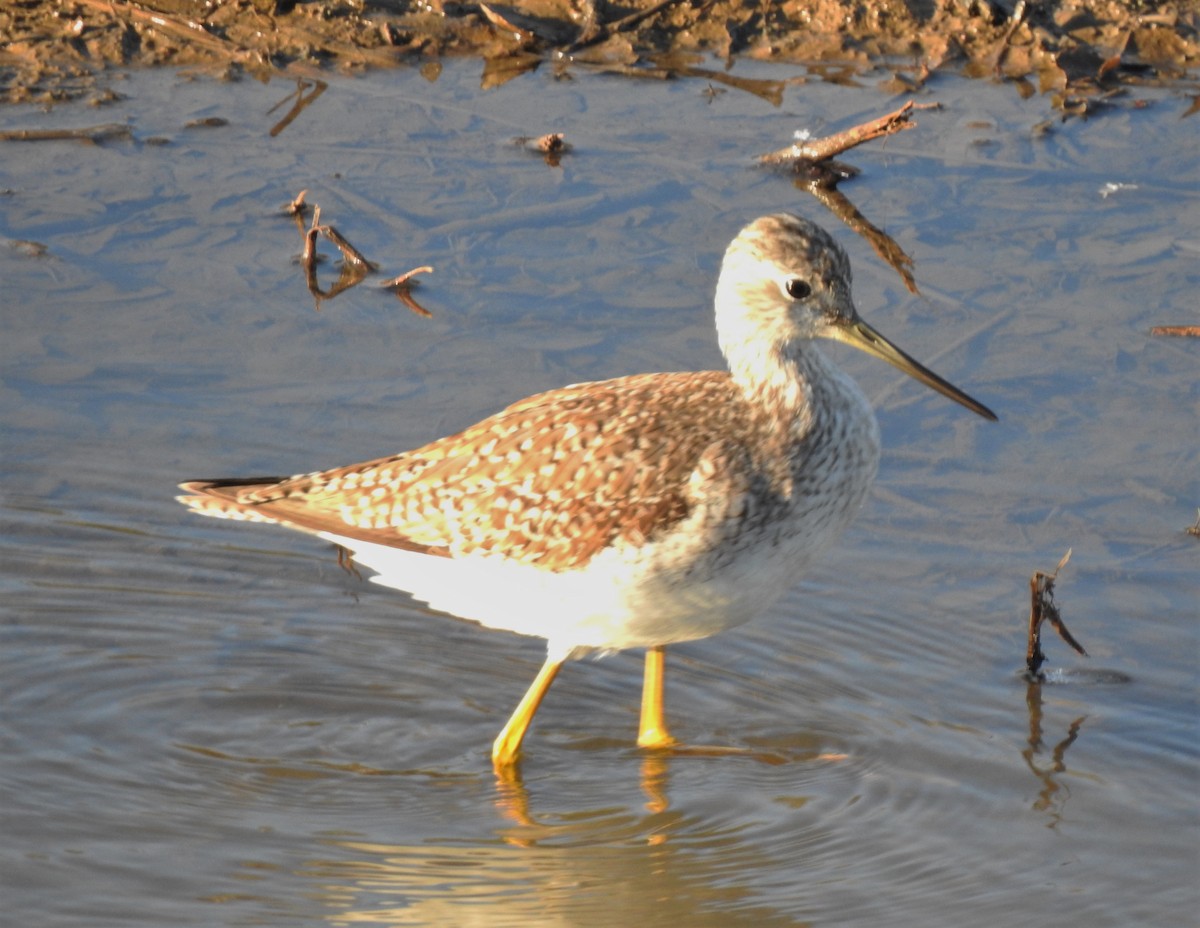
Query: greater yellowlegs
pixel 628 513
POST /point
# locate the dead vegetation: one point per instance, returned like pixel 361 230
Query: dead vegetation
pixel 1079 52
pixel 1042 609
pixel 355 266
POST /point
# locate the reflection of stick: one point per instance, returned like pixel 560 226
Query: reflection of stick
pixel 354 266
pixel 825 148
pixel 405 297
pixel 885 246
pixel 771 91
pixel 317 88
pixel 1043 609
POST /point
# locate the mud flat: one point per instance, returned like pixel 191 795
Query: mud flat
pixel 1082 53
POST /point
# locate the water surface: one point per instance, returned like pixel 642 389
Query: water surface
pixel 206 723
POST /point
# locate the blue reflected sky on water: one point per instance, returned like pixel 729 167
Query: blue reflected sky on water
pixel 210 723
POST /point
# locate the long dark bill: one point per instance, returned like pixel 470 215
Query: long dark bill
pixel 865 338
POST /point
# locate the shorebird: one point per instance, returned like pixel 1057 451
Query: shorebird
pixel 629 513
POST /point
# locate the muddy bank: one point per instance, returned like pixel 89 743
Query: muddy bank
pixel 1080 52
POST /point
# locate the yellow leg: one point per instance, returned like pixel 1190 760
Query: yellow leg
pixel 508 742
pixel 653 730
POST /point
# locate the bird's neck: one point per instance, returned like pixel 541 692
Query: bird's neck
pixel 782 383
pixel 809 416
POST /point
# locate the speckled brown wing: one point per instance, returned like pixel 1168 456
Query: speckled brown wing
pixel 551 480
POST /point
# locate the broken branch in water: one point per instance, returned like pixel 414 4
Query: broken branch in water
pixel 405 279
pixel 351 254
pixel 355 265
pixel 812 151
pixel 402 287
pixel 818 173
pixel 297 206
pixel 1042 608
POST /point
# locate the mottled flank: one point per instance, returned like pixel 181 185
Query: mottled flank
pixel 550 481
pixel 559 477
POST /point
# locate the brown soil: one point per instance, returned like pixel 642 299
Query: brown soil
pixel 1082 52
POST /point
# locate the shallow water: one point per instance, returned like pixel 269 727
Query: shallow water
pixel 207 723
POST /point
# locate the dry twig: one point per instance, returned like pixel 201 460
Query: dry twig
pixel 1192 331
pixel 297 207
pixel 355 266
pixel 402 287
pixel 351 254
pixel 406 279
pixel 1042 608
pixel 93 134
pixel 812 151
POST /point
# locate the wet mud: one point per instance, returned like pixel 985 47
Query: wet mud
pixel 1082 53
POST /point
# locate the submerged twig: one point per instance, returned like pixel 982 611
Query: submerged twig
pixel 345 560
pixel 1192 331
pixel 94 134
pixel 314 89
pixel 1042 608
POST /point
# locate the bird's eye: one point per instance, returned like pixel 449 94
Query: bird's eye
pixel 798 289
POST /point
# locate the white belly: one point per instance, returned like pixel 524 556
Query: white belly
pixel 715 570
